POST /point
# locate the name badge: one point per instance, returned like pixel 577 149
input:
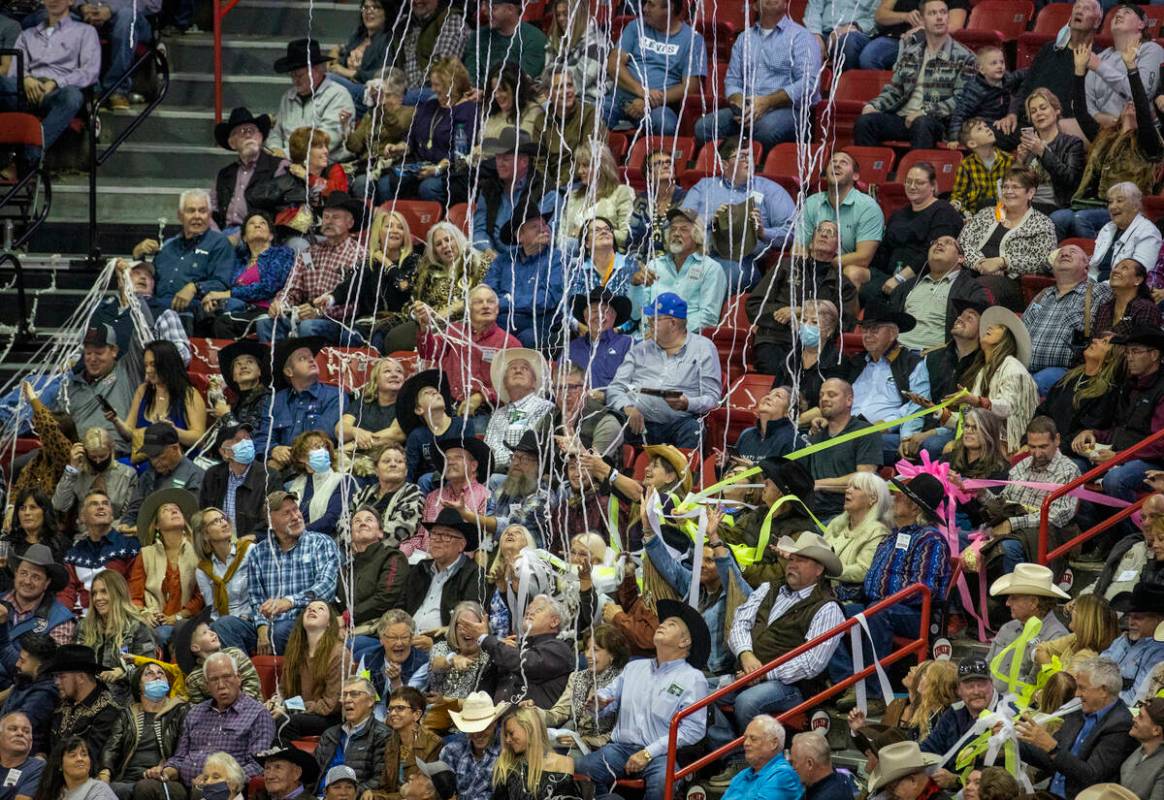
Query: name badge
pixel 675 689
pixel 1127 575
pixel 11 778
pixel 487 354
pixel 902 542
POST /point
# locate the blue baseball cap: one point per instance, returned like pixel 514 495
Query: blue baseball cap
pixel 668 304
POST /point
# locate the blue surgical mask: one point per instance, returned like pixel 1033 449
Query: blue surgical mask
pixel 319 460
pixel 243 452
pixel 215 791
pixel 809 335
pixel 156 689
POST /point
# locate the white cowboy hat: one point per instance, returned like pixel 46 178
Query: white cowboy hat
pixel 1107 791
pixel 1033 579
pixel 813 545
pixel 998 315
pixel 501 363
pixel 477 712
pixel 898 760
pixel 1159 634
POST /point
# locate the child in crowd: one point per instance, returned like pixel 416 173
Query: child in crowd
pixel 988 97
pixel 980 173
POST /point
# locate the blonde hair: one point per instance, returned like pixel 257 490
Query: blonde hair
pixel 594 544
pixel 198 524
pixel 119 621
pixel 97 438
pixel 380 233
pixel 369 392
pixel 941 691
pixel 559 39
pixel 454 73
pixel 531 721
pixel 497 568
pixel 607 178
pixel 1096 625
pixel 456 644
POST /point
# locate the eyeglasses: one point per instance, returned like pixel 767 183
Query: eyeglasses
pixel 396 638
pixel 444 537
pixel 399 709
pixel 352 694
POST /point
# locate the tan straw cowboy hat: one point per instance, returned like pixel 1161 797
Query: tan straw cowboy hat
pixel 477 712
pixel 813 545
pixel 898 760
pixel 1032 579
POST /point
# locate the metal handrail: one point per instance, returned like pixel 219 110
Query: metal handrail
pixel 1099 469
pixel 920 645
pixel 221 9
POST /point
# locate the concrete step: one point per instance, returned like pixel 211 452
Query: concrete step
pixel 138 158
pixel 134 201
pixel 328 22
pixel 241 55
pixel 168 124
pixel 257 92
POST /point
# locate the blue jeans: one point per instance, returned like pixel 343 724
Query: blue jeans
pixel 1013 554
pixel 163 634
pixel 1127 479
pixel 607 764
pixel 355 89
pixel 767 697
pixel 1084 223
pixel 125 32
pixel 1048 377
pixel 661 121
pixel 279 633
pixel 235 632
pixel 533 331
pixel 741 275
pixel 889 443
pixel 900 620
pixel 852 45
pixel 773 128
pixel 682 432
pixel 879 53
pixel 58 109
pixel 936 443
pixel 331 331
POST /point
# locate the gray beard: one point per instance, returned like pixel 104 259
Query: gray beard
pixel 519 485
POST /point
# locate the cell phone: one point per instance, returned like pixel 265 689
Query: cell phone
pixel 1031 131
pixel 101 401
pixel 652 392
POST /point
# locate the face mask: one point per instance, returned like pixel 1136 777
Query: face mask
pixel 215 791
pixel 99 466
pixel 319 461
pixel 156 690
pixel 243 452
pixel 809 335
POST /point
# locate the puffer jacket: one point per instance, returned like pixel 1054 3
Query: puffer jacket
pixel 127 732
pixel 364 752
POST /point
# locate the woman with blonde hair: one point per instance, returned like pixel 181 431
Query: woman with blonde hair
pixel 1094 626
pixel 371 423
pixel 399 504
pixel 222 578
pixel 598 192
pixel 456 666
pixel 937 690
pixel 506 608
pixel 588 550
pixel 528 768
pixel 576 41
pixel 855 533
pixel 162 578
pixel 112 626
pixel 314 667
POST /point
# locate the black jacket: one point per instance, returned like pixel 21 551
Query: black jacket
pixel 796 279
pixel 380 572
pixel 36 698
pixel 265 168
pixel 92 719
pixel 966 287
pixel 126 733
pixel 537 669
pixel 364 752
pixel 248 499
pixel 1101 754
pixel 468 583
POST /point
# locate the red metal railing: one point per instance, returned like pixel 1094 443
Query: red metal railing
pixel 1099 469
pixel 920 646
pixel 221 9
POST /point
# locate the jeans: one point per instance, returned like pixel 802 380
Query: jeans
pixel 900 620
pixel 880 53
pixel 533 332
pixel 767 697
pixel 355 89
pixel 332 332
pixel 773 128
pixel 125 32
pixel 1084 223
pixel 889 443
pixel 936 443
pixel 608 763
pixel 873 129
pixel 1127 479
pixel 58 109
pixel 661 121
pixel 280 635
pixel 235 632
pixel 1048 377
pixel 682 432
pixel 1013 554
pixel 163 634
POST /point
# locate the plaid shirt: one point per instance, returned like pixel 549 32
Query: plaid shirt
pixel 1052 318
pixel 510 422
pixel 945 75
pixel 1061 470
pixel 62 633
pixel 450 42
pixel 304 573
pixel 474 775
pixel 319 269
pixel 243 729
pixel 975 186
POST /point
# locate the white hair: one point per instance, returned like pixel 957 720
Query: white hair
pixel 556 608
pixel 190 194
pixel 815 746
pixel 215 658
pixel 771 727
pixel 1102 673
pixel 876 487
pixel 236 779
pixel 1130 191
pixel 482 287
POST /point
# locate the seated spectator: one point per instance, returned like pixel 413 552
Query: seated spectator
pixel 128 755
pixel 659 60
pixel 511 104
pixel 222 576
pixel 1107 79
pixel 528 278
pixel 35 522
pixel 649 219
pixel 1092 743
pixel 457 665
pixel 774 434
pixel 378 571
pixel 22 769
pixel 293 568
pixel 858 530
pixel 161 580
pixel 987 96
pixel 680 369
pixel 358 741
pixel 296 197
pixel 687 271
pixel 521 381
pixel 522 498
pixel 397 504
pixel 1141 772
pixel 287 771
pixel 424 410
pixel 818 344
pixel 313 101
pixel 86 709
pixel 842 33
pixel 607 654
pixel 362 57
pixel 598 351
pixel 1128 305
pixel 947 364
pixel 580 502
pixel 767 773
pixel 1125 149
pixel 222 769
pixel 982 170
pixel 746 214
pixel 57 71
pixel 525 753
pixel 1030 592
pixel 597 193
pixel 302 402
pixel 90 460
pixel 1137 415
pixel 69 772
pixel 32 608
pixel 1061 313
pixel 571 120
pixel 507 601
pixel 904 772
pixel 510 155
pixel 812 758
pixel 116 626
pixel 1056 157
pixel 98 548
pixel 314 663
pixel 32 690
pixel 779 62
pixel 645 702
pixel 435 31
pixel 910 231
pixel 1134 558
pixel 1002 248
pixel 244 134
pixel 235 484
pixel 261 270
pixel 319 485
pixel 505 38
pixel 186 267
pixel 1137 651
pixel 387 125
pixel 409 743
pixel 450 537
pixel 936 293
pixel 390 657
pixel 246 371
pixel 894 19
pixel 832 467
pixel 463 466
pixel 976 694
pixel 1129 234
pixel 475 750
pixel 917 103
pixel 915 715
pixel 859 221
pixel 166 396
pixel 1094 625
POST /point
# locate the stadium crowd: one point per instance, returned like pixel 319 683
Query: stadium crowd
pixel 501 561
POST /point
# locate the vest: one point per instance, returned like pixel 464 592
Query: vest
pixel 426 41
pixel 153 559
pixel 48 615
pixel 901 367
pixel 789 631
pixel 265 169
pixel 1135 410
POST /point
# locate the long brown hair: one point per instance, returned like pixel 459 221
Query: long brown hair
pixel 297 659
pixel 1111 372
pixel 988 367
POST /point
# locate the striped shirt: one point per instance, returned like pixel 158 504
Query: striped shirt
pixel 909 555
pixel 806 665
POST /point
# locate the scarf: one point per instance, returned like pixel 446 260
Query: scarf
pixel 221 598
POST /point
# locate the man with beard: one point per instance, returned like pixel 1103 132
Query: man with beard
pixel 243 133
pixel 34 691
pixel 862 222
pixel 686 271
pixel 522 499
pixel 87 708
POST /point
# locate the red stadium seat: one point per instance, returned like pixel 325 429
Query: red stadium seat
pixel 735 312
pixel 796 10
pixel 461 216
pixel 736 414
pixel 268 669
pixel 346 367
pixel 876 163
pixel 975 40
pixel 420 214
pixel 682 149
pixel 1154 207
pixel 1052 17
pixel 787 183
pixel 862 85
pixel 837 116
pixel 1029 45
pixel 852 343
pixel 408 359
pixel 782 160
pixel 708 161
pixel 1033 284
pixel 891 196
pixel 945 162
pixel 618 144
pixel 1008 17
pixel 1088 245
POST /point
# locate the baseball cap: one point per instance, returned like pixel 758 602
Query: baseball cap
pixel 444 780
pixel 341 772
pixel 157 438
pixel 228 432
pixel 973 667
pixel 668 304
pixel 100 336
pixel 1154 708
pixel 277 498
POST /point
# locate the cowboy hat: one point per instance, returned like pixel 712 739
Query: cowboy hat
pixel 813 545
pixel 790 477
pixel 1032 579
pixel 40 555
pixel 470 444
pixel 696 626
pixel 580 303
pixel 300 53
pixel 259 351
pixel 510 141
pixel 406 400
pixel 353 205
pixel 1107 791
pixel 960 304
pixel 444 780
pixel 285 348
pixel 293 755
pixel 677 461
pixel 500 365
pixel 874 736
pixel 879 313
pixel 184 637
pixel 997 315
pixel 477 713
pixel 898 760
pixel 528 211
pixel 73 658
pixel 1147 598
pixel 240 116
pixel 187 503
pixel 925 491
pixel 448 518
pixel 1145 335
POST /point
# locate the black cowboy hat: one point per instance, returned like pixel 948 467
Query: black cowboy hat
pixel 40 555
pixel 184 636
pixel 148 511
pixel 1146 335
pixel 448 518
pixel 873 736
pixel 790 477
pixel 1144 597
pixel 406 399
pixel 510 141
pixel 880 312
pixel 621 305
pixel 353 205
pixel 283 350
pixel 73 658
pixel 474 446
pixel 541 447
pixel 240 116
pixel 925 491
pixel 260 351
pixel 293 755
pixel 300 53
pixel 960 304
pixel 696 626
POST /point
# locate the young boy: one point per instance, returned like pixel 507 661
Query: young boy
pixel 987 96
pixel 978 176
